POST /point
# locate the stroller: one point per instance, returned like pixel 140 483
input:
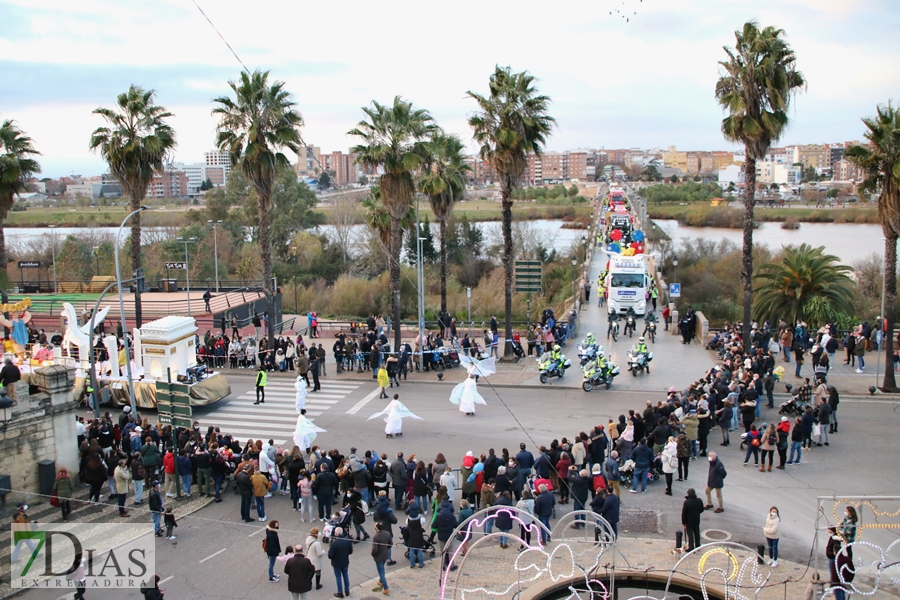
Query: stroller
pixel 533 483
pixel 428 548
pixel 792 408
pixel 626 472
pixel 338 519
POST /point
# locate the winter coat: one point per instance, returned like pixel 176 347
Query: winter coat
pixel 543 505
pixel 608 508
pixel 315 551
pixel 526 506
pixel 446 521
pixel 261 485
pixel 691 511
pixel 122 477
pixel 562 467
pixel 691 424
pixel 772 526
pixel 415 528
pixel 273 546
pixel 670 458
pixel 381 546
pixel 340 551
pixel 642 456
pixel 150 455
pixel 503 520
pixel 398 474
pixel 581 487
pixel 717 474
pixel 300 572
pixel 62 487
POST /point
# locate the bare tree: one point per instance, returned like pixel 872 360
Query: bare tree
pixel 343 220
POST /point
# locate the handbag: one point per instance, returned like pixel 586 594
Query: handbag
pixel 816 430
pixel 54 500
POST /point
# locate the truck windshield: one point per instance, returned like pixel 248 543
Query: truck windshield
pixel 627 280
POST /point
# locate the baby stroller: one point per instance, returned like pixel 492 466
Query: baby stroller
pixel 792 408
pixel 533 483
pixel 449 358
pixel 338 519
pixel 428 548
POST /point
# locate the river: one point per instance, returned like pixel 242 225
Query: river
pixel 549 232
pixel 849 242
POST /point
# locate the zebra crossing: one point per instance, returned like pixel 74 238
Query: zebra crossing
pixel 276 418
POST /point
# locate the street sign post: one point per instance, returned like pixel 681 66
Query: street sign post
pixel 176 266
pixel 675 290
pixel 528 276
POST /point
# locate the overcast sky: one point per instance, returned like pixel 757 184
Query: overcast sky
pixel 647 82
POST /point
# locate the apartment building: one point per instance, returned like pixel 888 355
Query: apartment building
pixel 817 156
pixel 218 159
pixel 341 166
pixel 844 170
pixel 168 184
pixel 692 162
pixel 674 159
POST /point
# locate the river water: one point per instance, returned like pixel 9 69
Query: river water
pixel 849 242
pixel 549 232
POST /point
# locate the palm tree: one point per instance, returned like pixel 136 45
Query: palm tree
pixel 253 129
pixel 16 168
pixel 135 144
pixel 511 122
pixel 880 163
pixel 444 182
pixel 788 289
pixel 394 139
pixel 755 87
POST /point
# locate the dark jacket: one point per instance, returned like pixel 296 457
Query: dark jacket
pixel 155 501
pixel 542 466
pixel 580 486
pixel 325 484
pixel 642 455
pixel 504 518
pixel 273 546
pixel 300 572
pixel 608 508
pixel 525 459
pixel 611 467
pixel 690 512
pixel 717 474
pixel 446 521
pixel 244 485
pixel 415 537
pixel 381 546
pixel 503 484
pixel 398 473
pixel 340 551
pixel 543 505
pixel 150 455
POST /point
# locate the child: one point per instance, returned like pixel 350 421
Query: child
pixel 383 380
pixel 288 554
pixel 170 523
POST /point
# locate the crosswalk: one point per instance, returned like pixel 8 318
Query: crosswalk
pixel 277 417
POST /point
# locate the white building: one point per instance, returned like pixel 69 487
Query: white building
pixel 218 159
pixel 731 174
pixel 85 189
pixel 30 197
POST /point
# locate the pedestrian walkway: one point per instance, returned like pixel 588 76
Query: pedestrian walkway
pixel 275 419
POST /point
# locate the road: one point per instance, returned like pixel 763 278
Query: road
pixel 218 556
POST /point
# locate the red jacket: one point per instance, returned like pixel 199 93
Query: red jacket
pixel 169 463
pixel 562 467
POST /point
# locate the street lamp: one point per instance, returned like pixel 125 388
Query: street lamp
pixel 674 269
pixel 122 313
pixel 187 268
pixel 296 300
pixel 574 274
pixel 53 251
pixel 216 249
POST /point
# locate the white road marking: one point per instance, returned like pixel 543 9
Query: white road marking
pixel 213 555
pixel 359 405
pixel 169 578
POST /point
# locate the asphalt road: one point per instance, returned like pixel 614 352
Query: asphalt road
pixel 218 556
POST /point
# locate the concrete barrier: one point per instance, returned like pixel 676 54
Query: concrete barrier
pixel 702 330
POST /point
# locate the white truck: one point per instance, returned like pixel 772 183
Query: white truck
pixel 627 283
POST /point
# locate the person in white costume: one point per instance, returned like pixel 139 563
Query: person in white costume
pixel 300 386
pixel 394 414
pixel 306 431
pixel 466 394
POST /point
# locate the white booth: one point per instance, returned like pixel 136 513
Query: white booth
pixel 167 344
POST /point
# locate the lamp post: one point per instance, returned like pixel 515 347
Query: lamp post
pixel 420 295
pixel 216 249
pixel 122 311
pixel 880 350
pixel 187 268
pixel 296 301
pixel 574 275
pixel 53 251
pixel 674 269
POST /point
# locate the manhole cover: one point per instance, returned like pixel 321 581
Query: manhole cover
pixel 715 535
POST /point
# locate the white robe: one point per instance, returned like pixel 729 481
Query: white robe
pixel 466 396
pixel 394 413
pixel 305 432
pixel 300 386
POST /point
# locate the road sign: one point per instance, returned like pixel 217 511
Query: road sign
pixel 675 290
pixel 528 277
pixel 174 266
pixel 29 264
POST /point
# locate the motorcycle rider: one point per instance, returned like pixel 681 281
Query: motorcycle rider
pixel 650 317
pixel 613 317
pixel 589 340
pixel 601 364
pixel 640 347
pixel 555 357
pixel 630 315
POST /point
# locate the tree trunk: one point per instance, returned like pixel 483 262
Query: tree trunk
pixel 890 294
pixel 747 248
pixel 443 266
pixel 136 201
pixel 265 254
pixel 396 246
pixel 506 208
pixel 3 251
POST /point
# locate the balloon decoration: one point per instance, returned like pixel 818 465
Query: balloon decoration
pixel 638 236
pixel 614 248
pixel 478 468
pixel 615 235
pixel 638 248
pixel 628 251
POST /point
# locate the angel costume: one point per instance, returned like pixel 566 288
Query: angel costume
pixel 305 433
pixel 465 394
pixel 300 386
pixel 394 414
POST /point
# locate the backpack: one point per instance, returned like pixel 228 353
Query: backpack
pixel 264 545
pixel 772 440
pixel 754 442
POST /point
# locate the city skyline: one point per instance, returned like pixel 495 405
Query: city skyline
pixel 613 84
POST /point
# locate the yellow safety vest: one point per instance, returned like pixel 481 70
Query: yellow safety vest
pixel 261 379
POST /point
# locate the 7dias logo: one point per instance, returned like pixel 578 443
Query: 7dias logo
pixel 86 555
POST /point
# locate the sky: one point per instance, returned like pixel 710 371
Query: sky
pixel 646 82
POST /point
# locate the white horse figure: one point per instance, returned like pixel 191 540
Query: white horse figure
pixel 80 336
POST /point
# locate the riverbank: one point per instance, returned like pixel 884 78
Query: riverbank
pixel 703 215
pixel 177 216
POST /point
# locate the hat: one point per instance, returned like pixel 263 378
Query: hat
pixel 126 409
pixel 784 419
pixel 138 429
pixel 155 483
pixel 671 389
pixel 412 511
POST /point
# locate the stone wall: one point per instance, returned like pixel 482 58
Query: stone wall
pixel 42 427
